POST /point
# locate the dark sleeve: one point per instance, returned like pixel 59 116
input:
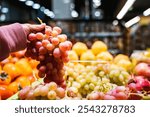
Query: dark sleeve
pixel 12 38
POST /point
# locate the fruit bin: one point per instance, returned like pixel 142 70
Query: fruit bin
pixel 91 74
pixel 89 87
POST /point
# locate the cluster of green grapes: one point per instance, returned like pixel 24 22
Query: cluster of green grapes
pixel 116 74
pixel 48 91
pixel 119 77
pixel 50 47
pixel 82 80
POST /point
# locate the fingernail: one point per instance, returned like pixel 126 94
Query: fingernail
pixel 43 24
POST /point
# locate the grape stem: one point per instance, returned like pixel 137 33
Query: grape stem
pixel 41 22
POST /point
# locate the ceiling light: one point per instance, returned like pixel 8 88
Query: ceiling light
pixel 115 22
pixel 42 9
pixel 74 13
pixel 22 0
pixel 97 13
pixel 146 12
pixel 50 14
pixel 3 17
pixel 132 21
pixel 125 8
pixel 29 3
pixel 36 6
pixel 4 10
pixel 46 11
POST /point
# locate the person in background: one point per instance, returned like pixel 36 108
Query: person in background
pixel 13 37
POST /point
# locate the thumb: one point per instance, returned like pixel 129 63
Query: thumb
pixel 35 28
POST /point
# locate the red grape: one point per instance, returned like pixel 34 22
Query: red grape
pixel 48 31
pixel 57 53
pixel 54 33
pixel 45 43
pixel 31 37
pixel 42 50
pixel 57 29
pixel 38 44
pixel 39 36
pixel 55 41
pixel 62 37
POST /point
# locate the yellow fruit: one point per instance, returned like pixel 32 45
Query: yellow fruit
pixel 98 47
pixel 87 56
pixel 104 56
pixel 72 55
pixel 120 57
pixel 125 64
pixel 147 54
pixel 79 48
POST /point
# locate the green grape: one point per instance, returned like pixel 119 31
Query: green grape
pixel 105 80
pixel 97 88
pixel 125 74
pixel 51 95
pixel 82 82
pixel 88 79
pixel 121 78
pixel 91 86
pixel 94 80
pixel 76 84
pixel 101 73
pixel 71 79
pixel 86 87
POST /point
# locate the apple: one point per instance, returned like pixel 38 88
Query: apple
pixel 143 69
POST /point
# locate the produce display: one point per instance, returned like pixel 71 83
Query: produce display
pixel 69 71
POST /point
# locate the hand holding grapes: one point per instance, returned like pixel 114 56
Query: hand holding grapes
pixel 28 28
pixel 50 47
pixel 13 37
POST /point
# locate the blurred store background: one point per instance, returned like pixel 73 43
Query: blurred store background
pixel 124 25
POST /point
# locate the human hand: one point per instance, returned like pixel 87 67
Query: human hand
pixel 28 28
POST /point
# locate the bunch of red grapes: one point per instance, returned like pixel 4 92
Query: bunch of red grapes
pixel 50 47
pixel 118 93
pixel 48 91
pixel 139 83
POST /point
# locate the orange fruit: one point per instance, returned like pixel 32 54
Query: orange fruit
pixel 14 87
pixel 23 81
pixel 24 66
pixel 12 70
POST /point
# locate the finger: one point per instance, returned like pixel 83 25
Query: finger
pixel 36 27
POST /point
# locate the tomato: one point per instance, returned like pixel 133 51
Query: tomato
pixel 19 54
pixel 5 92
pixel 31 79
pixel 0 68
pixel 24 66
pixel 23 81
pixel 14 59
pixel 14 87
pixel 5 61
pixel 33 63
pixel 0 97
pixel 4 78
pixel 12 70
